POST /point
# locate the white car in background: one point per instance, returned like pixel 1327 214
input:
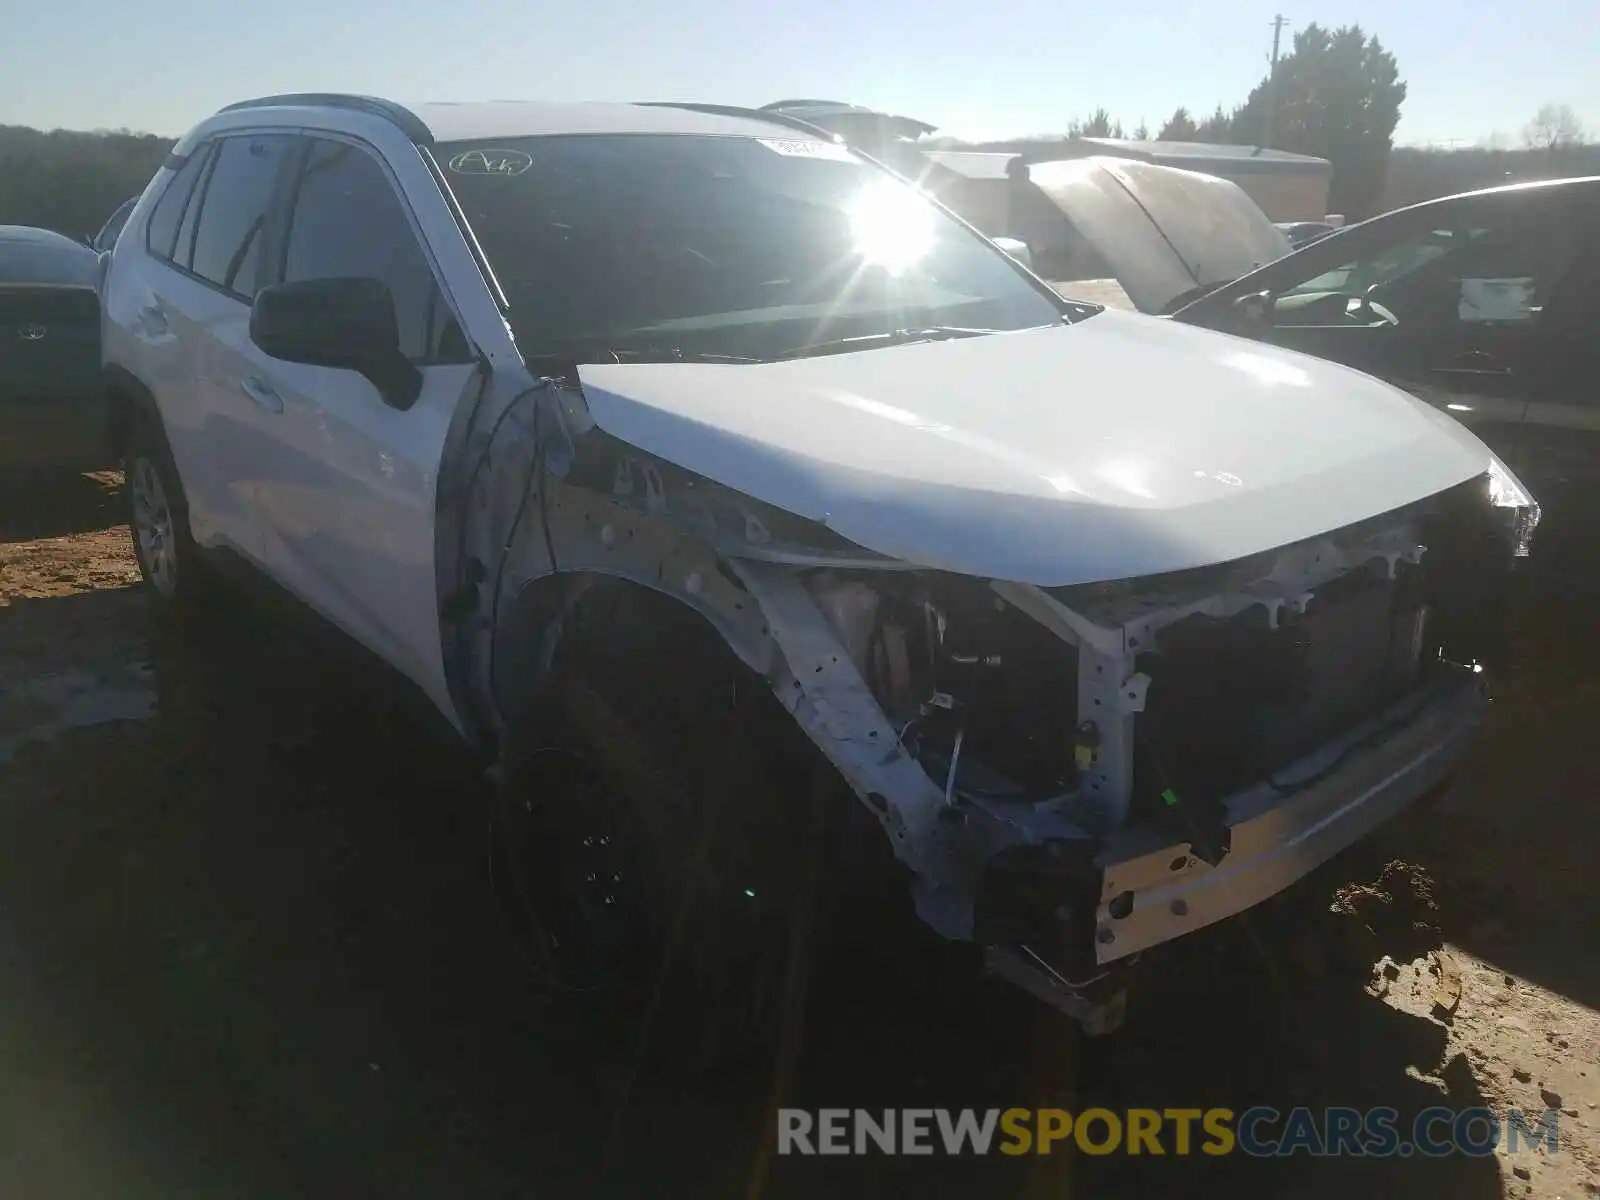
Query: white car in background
pixel 720 490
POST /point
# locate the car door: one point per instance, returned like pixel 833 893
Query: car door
pixel 347 482
pixel 196 316
pixel 1562 425
pixel 1440 299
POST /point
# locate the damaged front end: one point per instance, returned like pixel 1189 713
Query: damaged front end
pixel 1071 775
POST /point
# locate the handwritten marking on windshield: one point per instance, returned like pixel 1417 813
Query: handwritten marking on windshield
pixel 491 162
pixel 792 148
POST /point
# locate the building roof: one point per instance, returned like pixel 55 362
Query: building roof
pixel 974 164
pixel 1191 156
pixel 1202 156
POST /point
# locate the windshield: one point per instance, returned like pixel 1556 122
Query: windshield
pixel 746 248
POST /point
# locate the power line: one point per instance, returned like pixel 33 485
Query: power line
pixel 1271 106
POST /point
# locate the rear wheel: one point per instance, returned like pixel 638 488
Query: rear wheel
pixel 175 577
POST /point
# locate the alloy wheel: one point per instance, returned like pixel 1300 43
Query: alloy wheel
pixel 153 527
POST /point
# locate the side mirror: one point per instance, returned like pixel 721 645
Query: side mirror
pixel 349 324
pixel 1017 249
pixel 1254 311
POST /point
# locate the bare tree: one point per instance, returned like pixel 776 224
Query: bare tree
pixel 1554 127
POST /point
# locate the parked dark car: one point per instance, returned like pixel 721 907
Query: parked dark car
pixel 1486 305
pixel 52 413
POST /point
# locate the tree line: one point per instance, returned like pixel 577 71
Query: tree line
pixel 1336 95
pixel 72 181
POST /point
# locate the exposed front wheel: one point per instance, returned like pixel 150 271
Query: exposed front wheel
pixel 666 883
pixel 568 864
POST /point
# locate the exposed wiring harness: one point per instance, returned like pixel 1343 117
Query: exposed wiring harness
pixel 536 471
pixel 1361 743
pixel 1211 848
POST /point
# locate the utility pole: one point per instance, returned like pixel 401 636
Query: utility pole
pixel 1278 22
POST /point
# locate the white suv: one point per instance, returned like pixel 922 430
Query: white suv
pixel 699 472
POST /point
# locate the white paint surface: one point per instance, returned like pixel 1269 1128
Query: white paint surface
pixel 1117 447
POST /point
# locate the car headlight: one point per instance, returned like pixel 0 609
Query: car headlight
pixel 1515 504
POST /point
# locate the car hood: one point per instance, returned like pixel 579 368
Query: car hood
pixel 1119 446
pixel 1163 231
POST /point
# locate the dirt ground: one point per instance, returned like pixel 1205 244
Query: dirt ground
pixel 248 947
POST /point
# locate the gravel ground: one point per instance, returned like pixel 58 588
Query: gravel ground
pixel 248 948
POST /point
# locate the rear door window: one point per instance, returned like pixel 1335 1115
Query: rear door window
pixel 233 211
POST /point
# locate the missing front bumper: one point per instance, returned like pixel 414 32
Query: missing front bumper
pixel 1154 889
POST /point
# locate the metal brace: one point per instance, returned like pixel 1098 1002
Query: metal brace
pixel 1130 697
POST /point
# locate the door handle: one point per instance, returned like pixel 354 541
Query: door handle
pixel 261 393
pixel 1475 362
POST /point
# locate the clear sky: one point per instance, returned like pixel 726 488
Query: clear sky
pixel 974 69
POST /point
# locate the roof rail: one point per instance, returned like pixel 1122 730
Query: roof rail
pixel 396 114
pixel 778 104
pixel 750 114
pixel 820 110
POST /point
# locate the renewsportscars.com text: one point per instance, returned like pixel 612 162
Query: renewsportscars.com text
pixel 1260 1131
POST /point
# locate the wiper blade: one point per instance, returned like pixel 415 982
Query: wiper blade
pixel 675 354
pixel 601 352
pixel 894 337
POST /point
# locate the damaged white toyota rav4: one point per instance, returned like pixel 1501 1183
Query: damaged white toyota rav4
pixel 702 473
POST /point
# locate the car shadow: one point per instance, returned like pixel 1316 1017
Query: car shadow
pixel 46 504
pixel 1274 1010
pixel 251 948
pixel 1271 1010
pixel 1506 845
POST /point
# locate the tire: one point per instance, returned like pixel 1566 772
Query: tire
pixel 176 579
pixel 666 880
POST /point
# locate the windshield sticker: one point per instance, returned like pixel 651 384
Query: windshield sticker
pixel 491 162
pixel 798 149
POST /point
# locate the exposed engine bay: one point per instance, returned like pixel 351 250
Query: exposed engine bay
pixel 1071 775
